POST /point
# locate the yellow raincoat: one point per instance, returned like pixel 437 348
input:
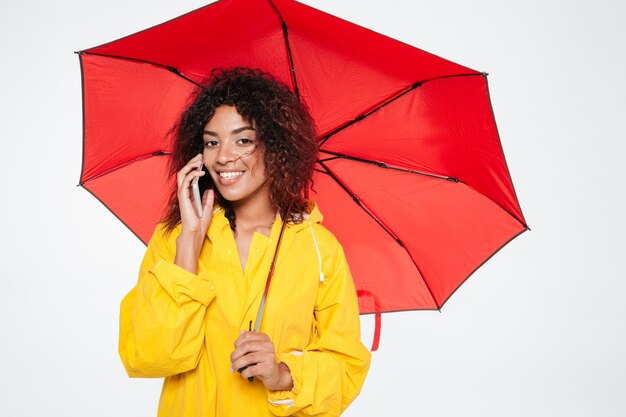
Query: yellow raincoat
pixel 182 326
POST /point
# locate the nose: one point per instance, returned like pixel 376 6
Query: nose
pixel 225 153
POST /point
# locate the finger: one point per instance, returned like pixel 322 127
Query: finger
pixel 208 198
pixel 194 163
pixel 246 349
pixel 185 185
pixel 250 348
pixel 248 342
pixel 207 209
pixel 253 370
pixel 263 370
pixel 242 364
pixel 185 174
pixel 254 358
pixel 246 336
pixel 259 369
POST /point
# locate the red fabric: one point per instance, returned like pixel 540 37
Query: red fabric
pixel 412 239
pixel 369 302
pixel 377 325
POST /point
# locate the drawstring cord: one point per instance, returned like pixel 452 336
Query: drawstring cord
pixel 317 249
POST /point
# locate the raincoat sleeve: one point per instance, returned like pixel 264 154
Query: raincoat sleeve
pixel 329 373
pixel 162 318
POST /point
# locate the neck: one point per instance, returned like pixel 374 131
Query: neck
pixel 253 214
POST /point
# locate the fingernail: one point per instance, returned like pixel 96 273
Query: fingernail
pixel 242 331
pixel 231 370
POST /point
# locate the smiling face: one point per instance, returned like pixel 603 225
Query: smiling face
pixel 233 156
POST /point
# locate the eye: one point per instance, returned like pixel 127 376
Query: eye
pixel 210 144
pixel 245 141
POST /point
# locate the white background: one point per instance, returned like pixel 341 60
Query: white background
pixel 538 331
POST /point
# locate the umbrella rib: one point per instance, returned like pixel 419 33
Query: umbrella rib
pixel 296 90
pixel 439 307
pixel 122 165
pixel 337 155
pixel 171 69
pixel 113 212
pixel 359 203
pixel 323 139
pixel 331 158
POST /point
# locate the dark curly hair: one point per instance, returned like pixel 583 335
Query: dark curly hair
pixel 284 127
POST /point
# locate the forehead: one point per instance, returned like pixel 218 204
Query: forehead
pixel 227 119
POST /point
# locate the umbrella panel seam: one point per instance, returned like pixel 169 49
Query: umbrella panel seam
pixel 359 203
pixel 384 165
pixel 122 165
pixel 169 68
pixel 410 171
pixel 326 136
pixel 296 90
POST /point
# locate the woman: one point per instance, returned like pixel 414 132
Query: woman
pixel 189 319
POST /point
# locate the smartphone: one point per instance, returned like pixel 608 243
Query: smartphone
pixel 195 189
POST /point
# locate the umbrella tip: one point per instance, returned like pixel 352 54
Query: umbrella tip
pixel 484 74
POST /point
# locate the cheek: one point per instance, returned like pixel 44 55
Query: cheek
pixel 257 168
pixel 261 171
pixel 207 158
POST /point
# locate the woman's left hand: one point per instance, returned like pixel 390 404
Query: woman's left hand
pixel 256 351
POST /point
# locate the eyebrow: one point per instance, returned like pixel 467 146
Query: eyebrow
pixel 234 132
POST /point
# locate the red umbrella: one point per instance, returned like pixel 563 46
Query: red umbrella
pixel 411 175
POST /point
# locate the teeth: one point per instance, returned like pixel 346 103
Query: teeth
pixel 230 174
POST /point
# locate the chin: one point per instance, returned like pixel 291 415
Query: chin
pixel 230 196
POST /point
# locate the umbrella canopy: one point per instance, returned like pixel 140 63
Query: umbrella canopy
pixel 411 175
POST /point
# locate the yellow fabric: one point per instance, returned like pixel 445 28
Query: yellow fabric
pixel 182 326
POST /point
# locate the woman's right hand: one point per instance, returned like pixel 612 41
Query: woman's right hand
pixel 194 228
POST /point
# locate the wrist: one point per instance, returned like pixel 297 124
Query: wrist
pixel 190 235
pixel 187 252
pixel 190 241
pixel 285 382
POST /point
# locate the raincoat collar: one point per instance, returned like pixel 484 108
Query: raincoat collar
pixel 219 222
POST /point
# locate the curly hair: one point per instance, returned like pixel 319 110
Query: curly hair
pixel 284 127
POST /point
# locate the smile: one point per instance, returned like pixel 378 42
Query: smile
pixel 230 174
